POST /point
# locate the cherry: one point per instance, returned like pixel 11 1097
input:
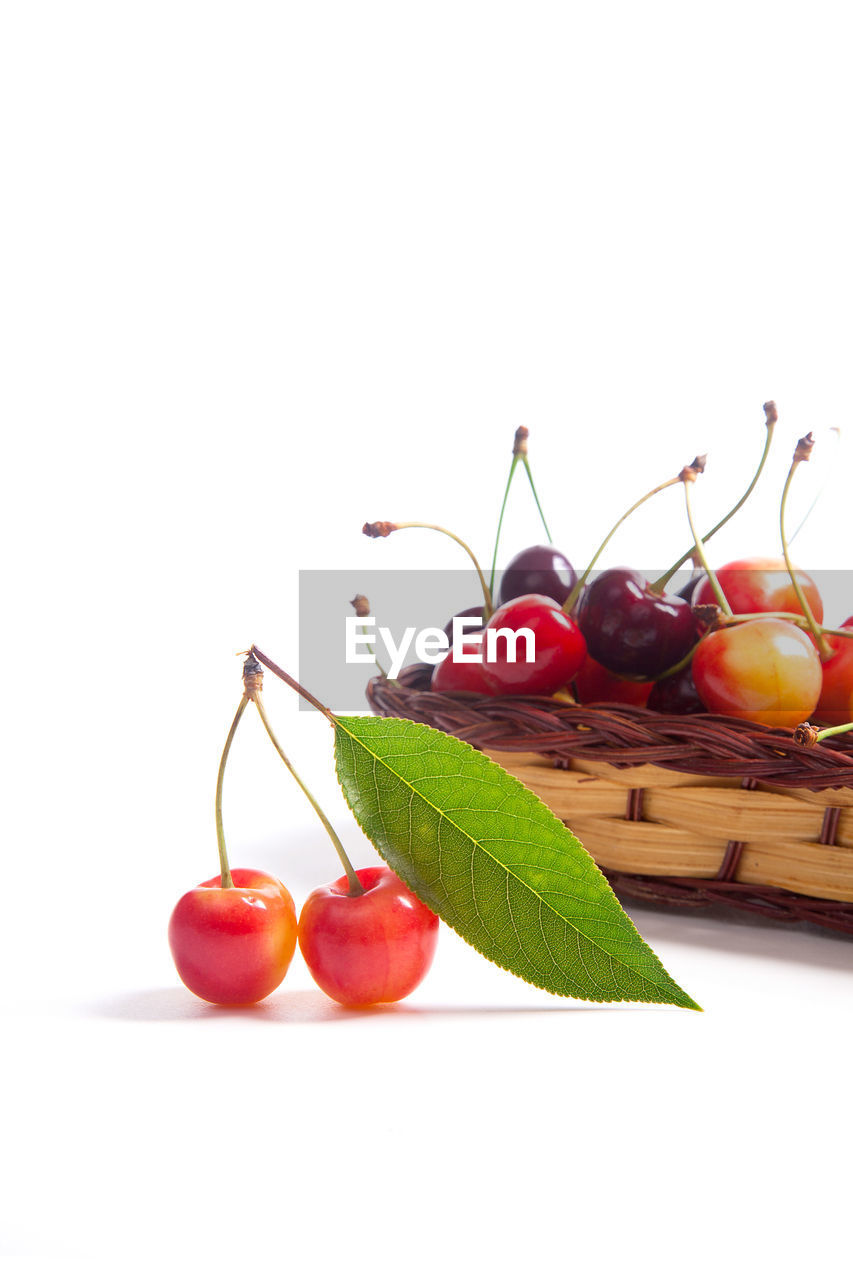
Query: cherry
pixel 632 629
pixel 676 695
pixel 538 570
pixel 233 937
pixel 450 676
pixel 766 670
pixel 594 683
pixel 475 611
pixel 836 699
pixel 559 647
pixel 234 945
pixel 373 948
pixel 761 584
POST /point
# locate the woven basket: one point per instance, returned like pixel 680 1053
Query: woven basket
pixel 687 811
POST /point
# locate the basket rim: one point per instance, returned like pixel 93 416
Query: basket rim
pixel 618 734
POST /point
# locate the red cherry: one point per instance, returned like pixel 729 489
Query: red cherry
pixel 836 698
pixel 450 676
pixel 594 683
pixel 559 647
pixel 234 946
pixel 760 584
pixel 367 949
pixel 766 670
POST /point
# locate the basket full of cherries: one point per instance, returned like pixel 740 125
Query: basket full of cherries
pixel 699 743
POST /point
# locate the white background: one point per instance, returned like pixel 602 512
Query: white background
pixel 270 270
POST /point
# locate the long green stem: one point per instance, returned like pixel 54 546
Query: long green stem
pixel 355 886
pixel 487 595
pixel 512 467
pixel 526 462
pixel 770 422
pixel 569 603
pixel 823 648
pixel 700 551
pixel 225 880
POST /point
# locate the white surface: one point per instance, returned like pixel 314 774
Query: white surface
pixel 270 272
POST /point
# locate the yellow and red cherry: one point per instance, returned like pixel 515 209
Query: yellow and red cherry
pixel 836 698
pixel 234 945
pixel 761 584
pixel 369 948
pixel 766 670
pixel 594 683
pixel 632 629
pixel 558 648
pixel 539 570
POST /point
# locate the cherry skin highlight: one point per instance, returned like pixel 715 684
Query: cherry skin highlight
pixel 234 946
pixel 371 949
pixel 540 570
pixel 559 647
pixel 767 671
pixel 760 584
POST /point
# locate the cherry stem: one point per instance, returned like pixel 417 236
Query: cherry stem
pixel 770 422
pixel 801 453
pixel 836 433
pixel 830 733
pixel 355 886
pixel 294 684
pixel 487 595
pixel 225 881
pixel 571 600
pixel 526 462
pixel 699 547
pixel 512 467
pixel 362 610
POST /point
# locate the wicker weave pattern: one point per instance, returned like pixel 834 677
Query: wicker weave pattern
pixel 688 811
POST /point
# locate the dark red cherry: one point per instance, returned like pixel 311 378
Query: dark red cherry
pixel 559 647
pixel 631 629
pixel 475 611
pixel 450 676
pixel 676 695
pixel 539 570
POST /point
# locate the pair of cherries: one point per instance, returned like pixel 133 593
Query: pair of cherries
pixel 234 945
pixel 365 938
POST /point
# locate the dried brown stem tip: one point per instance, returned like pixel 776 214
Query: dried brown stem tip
pixel 709 615
pixel 361 604
pixel 253 676
pixel 803 451
pixel 805 735
pixel 380 529
pixel 770 413
pixel 694 469
pixel 519 448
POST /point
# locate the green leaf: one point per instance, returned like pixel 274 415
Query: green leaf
pixel 494 862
